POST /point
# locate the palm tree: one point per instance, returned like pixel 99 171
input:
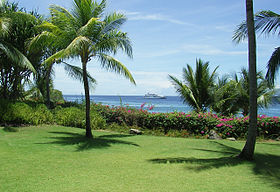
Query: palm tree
pixel 43 79
pixel 196 88
pixel 264 91
pixel 266 22
pixel 225 100
pixel 85 33
pixel 249 148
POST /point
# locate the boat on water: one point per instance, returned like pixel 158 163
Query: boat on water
pixel 153 96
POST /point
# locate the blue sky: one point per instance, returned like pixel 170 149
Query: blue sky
pixel 167 35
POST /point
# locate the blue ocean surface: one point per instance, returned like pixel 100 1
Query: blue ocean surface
pixel 170 104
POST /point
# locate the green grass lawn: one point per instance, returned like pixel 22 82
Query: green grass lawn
pixel 54 158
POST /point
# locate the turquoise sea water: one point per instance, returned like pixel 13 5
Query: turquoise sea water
pixel 170 104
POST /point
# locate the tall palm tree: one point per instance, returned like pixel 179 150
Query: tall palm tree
pixel 266 22
pixel 87 34
pixel 196 88
pixel 249 148
pixel 45 42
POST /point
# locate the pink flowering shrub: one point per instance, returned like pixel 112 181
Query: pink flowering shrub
pixel 189 124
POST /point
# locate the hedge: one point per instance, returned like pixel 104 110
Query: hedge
pixel 189 123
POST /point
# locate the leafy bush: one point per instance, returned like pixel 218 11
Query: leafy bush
pixel 70 116
pixel 17 113
pixel 22 113
pixel 41 114
pixel 75 117
pixel 184 125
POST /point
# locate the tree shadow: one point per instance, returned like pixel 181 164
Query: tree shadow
pixel 266 166
pixel 84 143
pixel 11 129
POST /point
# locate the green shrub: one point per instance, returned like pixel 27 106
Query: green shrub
pixel 41 114
pixel 17 113
pixel 71 116
pixel 22 113
pixel 75 117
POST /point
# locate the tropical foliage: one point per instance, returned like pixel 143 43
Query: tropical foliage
pixel 16 63
pixel 264 91
pixel 177 124
pixel 85 33
pixel 266 22
pixel 196 89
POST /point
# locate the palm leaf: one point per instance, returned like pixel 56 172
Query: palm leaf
pixel 273 66
pixel 112 64
pixel 185 93
pixel 266 22
pixel 4 26
pixel 113 22
pixel 78 47
pixel 111 42
pixel 77 73
pixel 90 27
pixel 16 56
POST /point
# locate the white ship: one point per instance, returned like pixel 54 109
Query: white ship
pixel 153 96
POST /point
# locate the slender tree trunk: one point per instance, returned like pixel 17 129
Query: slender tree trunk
pixel 48 97
pixel 86 87
pixel 248 150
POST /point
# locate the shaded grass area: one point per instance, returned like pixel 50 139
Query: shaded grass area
pixel 55 158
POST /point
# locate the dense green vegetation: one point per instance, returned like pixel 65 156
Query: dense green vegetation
pixel 55 158
pixel 266 22
pixel 122 119
pixel 204 91
pixel 30 45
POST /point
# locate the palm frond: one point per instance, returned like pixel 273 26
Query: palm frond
pixel 84 10
pixel 16 56
pixel 112 64
pixel 113 22
pixel 77 73
pixel 78 47
pixel 111 42
pixel 185 93
pixel 62 17
pixel 240 33
pixel 98 9
pixel 273 66
pixel 89 27
pixel 41 41
pixel 266 22
pixel 4 26
pixel 265 99
pixel 57 57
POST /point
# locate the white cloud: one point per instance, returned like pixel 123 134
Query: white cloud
pixel 154 17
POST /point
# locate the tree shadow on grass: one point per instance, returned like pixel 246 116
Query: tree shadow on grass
pixel 84 143
pixel 13 128
pixel 266 166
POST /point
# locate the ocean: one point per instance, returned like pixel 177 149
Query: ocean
pixel 170 104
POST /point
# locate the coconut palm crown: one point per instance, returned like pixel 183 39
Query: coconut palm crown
pixel 197 87
pixel 266 22
pixel 87 34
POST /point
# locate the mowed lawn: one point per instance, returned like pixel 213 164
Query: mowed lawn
pixel 55 158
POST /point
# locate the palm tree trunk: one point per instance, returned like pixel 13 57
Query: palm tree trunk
pixel 48 97
pixel 86 87
pixel 248 150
